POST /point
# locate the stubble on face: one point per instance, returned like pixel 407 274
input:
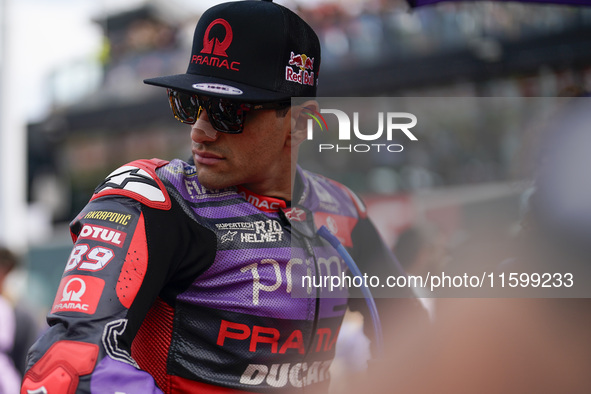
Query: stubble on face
pixel 255 158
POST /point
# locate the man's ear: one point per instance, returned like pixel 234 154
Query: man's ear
pixel 299 120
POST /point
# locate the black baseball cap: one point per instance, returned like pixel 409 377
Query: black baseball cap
pixel 251 51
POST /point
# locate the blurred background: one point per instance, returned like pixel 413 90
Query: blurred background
pixel 73 108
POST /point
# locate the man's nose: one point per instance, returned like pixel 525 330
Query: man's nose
pixel 202 130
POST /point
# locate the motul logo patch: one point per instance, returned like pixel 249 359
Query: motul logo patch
pixel 103 234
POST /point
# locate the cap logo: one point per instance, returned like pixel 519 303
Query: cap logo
pixel 73 295
pixel 302 76
pixel 214 46
pixel 302 61
pixel 217 88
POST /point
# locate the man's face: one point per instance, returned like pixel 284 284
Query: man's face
pixel 258 158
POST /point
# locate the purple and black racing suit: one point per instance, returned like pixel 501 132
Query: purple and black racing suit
pixel 174 288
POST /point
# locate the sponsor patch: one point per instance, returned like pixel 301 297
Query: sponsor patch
pixel 102 234
pixel 302 63
pixel 109 216
pixel 259 231
pixel 78 294
pixel 264 203
pixel 295 214
pixel 286 374
pixel 229 236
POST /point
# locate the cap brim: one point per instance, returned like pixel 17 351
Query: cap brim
pixel 217 87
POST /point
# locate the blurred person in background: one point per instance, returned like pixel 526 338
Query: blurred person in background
pixel 189 277
pixel 537 341
pixel 423 249
pixel 18 329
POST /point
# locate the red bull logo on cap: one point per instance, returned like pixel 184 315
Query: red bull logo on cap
pixel 304 63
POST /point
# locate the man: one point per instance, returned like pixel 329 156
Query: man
pixel 18 329
pixel 9 379
pixel 188 278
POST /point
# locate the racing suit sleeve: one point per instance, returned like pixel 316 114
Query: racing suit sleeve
pixel 125 255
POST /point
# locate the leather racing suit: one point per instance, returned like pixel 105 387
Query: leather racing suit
pixel 174 288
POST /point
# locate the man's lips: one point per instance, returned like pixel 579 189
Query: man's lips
pixel 206 158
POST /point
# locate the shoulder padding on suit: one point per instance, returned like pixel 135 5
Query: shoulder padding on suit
pixel 137 180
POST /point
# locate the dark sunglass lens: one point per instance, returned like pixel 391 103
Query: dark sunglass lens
pixel 188 107
pixel 225 116
pixel 184 106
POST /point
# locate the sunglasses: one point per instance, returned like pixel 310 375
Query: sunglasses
pixel 225 116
